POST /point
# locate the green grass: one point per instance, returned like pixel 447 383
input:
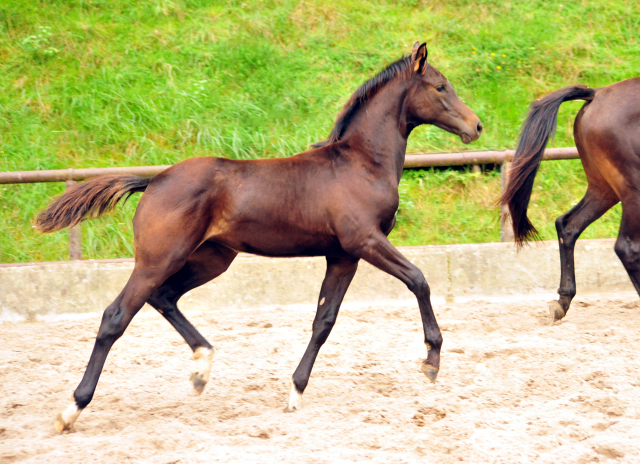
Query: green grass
pixel 97 83
pixel 445 207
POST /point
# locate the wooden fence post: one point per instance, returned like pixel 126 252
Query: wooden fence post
pixel 506 229
pixel 75 236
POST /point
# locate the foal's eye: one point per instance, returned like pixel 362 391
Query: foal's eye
pixel 440 88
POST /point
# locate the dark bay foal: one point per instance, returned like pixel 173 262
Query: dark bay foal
pixel 607 135
pixel 338 200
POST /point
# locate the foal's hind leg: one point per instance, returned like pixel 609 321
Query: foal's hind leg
pixel 595 203
pixel 162 249
pixel 340 272
pixel 115 320
pixel 206 263
pixel 628 243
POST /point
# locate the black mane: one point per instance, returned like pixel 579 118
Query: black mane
pixel 400 68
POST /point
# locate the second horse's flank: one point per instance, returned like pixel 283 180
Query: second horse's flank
pixel 337 200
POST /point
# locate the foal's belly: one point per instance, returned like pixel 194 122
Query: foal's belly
pixel 280 243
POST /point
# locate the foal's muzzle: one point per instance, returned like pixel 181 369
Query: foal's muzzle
pixel 472 133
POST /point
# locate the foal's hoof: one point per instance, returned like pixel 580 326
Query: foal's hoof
pixel 204 358
pixel 198 383
pixel 61 425
pixel 67 418
pixel 430 371
pixel 295 399
pixel 555 312
pixel 290 408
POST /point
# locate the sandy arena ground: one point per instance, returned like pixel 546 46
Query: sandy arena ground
pixel 510 388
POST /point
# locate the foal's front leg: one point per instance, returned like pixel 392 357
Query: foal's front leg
pixel 340 272
pixel 378 251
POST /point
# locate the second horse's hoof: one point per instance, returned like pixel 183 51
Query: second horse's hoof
pixel 555 312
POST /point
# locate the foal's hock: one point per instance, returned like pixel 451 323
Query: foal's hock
pixel 338 201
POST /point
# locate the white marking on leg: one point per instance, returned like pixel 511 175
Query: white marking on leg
pixel 67 418
pixel 295 399
pixel 204 358
pixel 322 301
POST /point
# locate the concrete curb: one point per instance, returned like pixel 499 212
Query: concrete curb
pixel 35 291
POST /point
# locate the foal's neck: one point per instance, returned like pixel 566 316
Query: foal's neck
pixel 380 129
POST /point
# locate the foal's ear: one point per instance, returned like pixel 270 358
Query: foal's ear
pixel 419 57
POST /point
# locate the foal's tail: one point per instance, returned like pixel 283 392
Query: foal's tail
pixel 88 201
pixel 536 130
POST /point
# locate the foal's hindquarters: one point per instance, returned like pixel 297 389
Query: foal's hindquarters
pixel 172 257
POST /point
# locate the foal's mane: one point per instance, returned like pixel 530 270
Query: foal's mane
pixel 400 69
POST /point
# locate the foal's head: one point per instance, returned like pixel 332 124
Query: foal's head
pixel 431 99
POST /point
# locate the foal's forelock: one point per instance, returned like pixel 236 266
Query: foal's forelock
pixel 398 70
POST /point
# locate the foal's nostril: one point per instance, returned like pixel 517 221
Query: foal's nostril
pixel 479 127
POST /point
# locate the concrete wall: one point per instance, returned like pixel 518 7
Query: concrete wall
pixel 35 291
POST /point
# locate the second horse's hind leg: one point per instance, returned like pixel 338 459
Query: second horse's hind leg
pixel 569 226
pixel 206 263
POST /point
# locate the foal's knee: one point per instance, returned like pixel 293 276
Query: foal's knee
pixel 566 235
pixel 322 329
pixel 629 252
pixel 112 326
pixel 418 284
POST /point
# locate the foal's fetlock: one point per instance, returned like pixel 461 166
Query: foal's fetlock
pixel 67 418
pixel 556 311
pixel 203 358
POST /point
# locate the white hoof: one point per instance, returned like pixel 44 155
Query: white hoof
pixel 66 419
pixel 295 399
pixel 555 312
pixel 204 359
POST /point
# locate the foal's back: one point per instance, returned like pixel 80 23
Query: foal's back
pixel 275 207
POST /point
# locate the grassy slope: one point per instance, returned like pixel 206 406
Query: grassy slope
pixel 112 83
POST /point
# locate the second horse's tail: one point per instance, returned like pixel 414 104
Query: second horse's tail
pixel 536 131
pixel 88 200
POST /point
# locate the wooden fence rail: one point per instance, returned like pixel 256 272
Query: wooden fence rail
pixel 420 160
